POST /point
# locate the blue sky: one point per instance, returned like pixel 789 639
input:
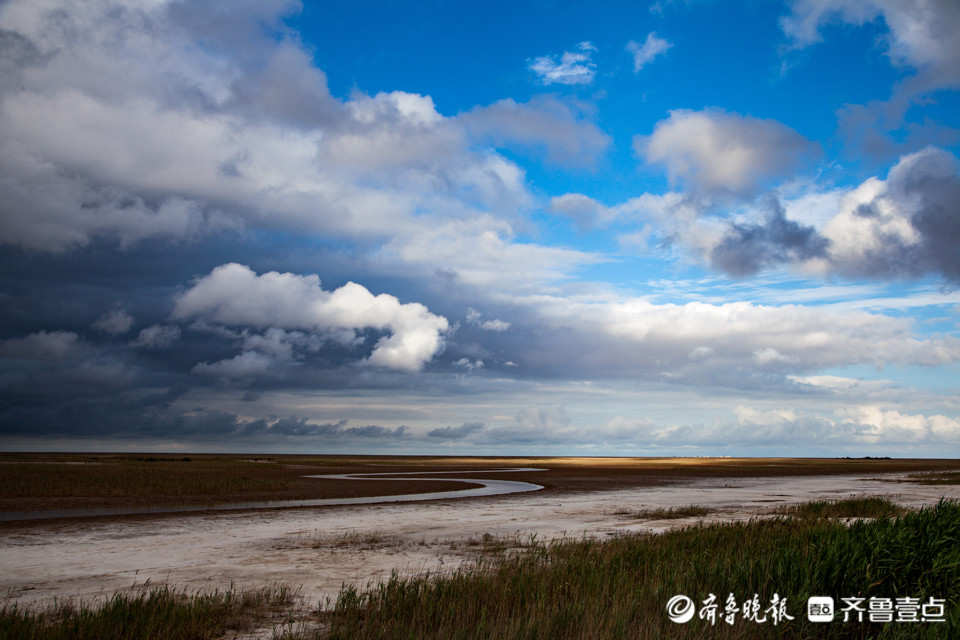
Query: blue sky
pixel 650 228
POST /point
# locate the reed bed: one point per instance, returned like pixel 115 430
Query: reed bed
pixel 859 507
pixel 619 588
pixel 160 613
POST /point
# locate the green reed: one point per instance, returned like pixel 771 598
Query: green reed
pixel 160 613
pixel 858 507
pixel 618 588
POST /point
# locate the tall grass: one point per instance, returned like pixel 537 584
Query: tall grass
pixel 619 588
pixel 859 507
pixel 160 613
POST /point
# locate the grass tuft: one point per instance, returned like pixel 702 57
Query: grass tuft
pixel 672 513
pixel 936 477
pixel 859 507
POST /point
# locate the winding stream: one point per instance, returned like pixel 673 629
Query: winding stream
pixel 488 488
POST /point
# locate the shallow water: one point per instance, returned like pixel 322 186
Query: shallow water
pixel 489 488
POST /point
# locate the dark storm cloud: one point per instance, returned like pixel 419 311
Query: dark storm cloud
pixel 937 220
pixel 130 415
pixel 748 248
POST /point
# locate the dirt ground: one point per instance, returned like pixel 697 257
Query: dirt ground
pixel 321 549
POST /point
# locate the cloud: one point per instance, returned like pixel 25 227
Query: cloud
pixel 747 248
pixel 583 210
pixel 574 67
pixel 713 151
pixel 43 346
pixel 652 47
pixel 193 122
pixel 874 424
pixel 848 429
pixel 558 127
pixel 248 364
pixel 474 319
pixel 116 322
pixel 495 325
pixel 922 35
pixel 902 227
pixel 455 433
pixel 481 253
pixel 157 337
pixel 469 365
pixel 738 344
pixel 233 295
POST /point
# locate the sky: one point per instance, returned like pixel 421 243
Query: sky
pixel 528 228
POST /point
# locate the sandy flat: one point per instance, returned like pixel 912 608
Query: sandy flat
pixel 321 549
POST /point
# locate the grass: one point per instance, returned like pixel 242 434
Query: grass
pixel 160 613
pixel 936 477
pixel 859 507
pixel 671 513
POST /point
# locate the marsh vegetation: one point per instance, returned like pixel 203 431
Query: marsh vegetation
pixel 613 588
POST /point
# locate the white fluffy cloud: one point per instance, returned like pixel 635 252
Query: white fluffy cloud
pixel 574 67
pixel 716 151
pixel 233 295
pixel 875 424
pixel 652 47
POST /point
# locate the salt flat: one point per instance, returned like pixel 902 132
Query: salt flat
pixel 320 549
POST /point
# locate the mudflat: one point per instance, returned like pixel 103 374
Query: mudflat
pixel 31 482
